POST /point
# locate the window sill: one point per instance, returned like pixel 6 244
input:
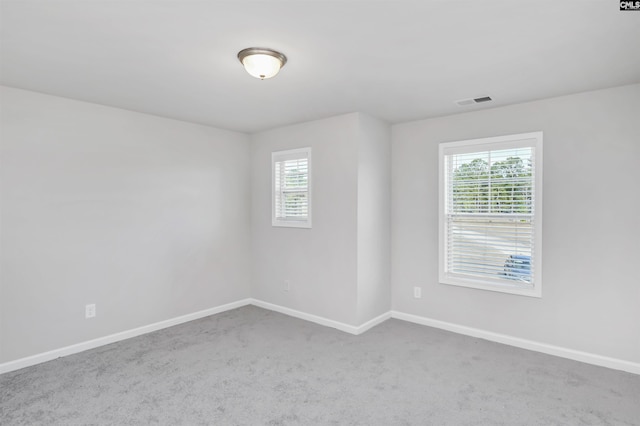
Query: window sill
pixel 530 291
pixel 291 224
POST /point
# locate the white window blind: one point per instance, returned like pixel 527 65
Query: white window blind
pixel 490 221
pixel 292 188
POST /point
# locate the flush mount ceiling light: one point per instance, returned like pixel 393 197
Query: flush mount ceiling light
pixel 261 62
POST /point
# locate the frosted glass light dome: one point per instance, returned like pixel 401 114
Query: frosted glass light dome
pixel 262 63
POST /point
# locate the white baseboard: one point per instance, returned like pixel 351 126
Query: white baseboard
pixel 351 329
pixel 589 358
pixel 373 322
pixel 305 316
pixel 112 338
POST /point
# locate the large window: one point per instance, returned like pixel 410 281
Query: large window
pixel 490 213
pixel 291 186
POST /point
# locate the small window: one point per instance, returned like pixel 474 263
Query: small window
pixel 291 186
pixel 491 213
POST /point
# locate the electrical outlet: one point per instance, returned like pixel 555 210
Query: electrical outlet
pixel 417 292
pixel 90 311
pixel 287 285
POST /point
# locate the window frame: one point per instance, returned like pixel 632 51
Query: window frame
pixel 534 140
pixel 280 156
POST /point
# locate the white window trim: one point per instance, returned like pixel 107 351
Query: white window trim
pixel 276 156
pixel 485 144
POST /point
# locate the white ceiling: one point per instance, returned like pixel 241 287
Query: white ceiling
pixel 396 60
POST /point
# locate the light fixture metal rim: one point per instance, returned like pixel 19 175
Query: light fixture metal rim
pixel 262 51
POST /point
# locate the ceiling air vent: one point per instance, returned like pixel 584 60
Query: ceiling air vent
pixel 472 101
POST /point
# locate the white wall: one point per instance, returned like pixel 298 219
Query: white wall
pixel 144 216
pixel 320 262
pixel 591 238
pixel 374 218
pixel 152 218
pixel 340 268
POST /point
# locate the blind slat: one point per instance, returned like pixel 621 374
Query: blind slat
pixel 489 202
pixel 291 188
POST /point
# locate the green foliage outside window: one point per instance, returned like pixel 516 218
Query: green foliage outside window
pixel 504 187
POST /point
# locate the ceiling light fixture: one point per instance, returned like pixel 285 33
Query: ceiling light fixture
pixel 261 62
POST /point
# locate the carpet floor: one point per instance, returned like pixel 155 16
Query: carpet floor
pixel 251 366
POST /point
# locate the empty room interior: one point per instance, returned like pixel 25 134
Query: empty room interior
pixel 319 212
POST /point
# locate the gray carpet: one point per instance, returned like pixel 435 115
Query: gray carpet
pixel 250 366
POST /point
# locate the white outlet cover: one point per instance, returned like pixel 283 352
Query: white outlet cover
pixel 90 311
pixel 417 292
